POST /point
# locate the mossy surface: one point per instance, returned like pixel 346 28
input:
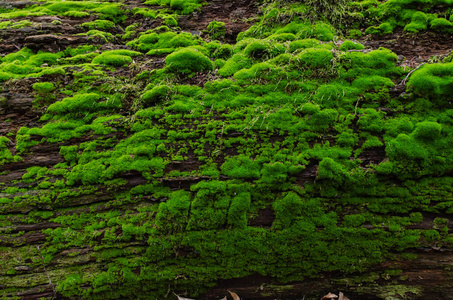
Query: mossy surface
pixel 165 151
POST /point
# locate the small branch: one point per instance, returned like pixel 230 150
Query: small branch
pixel 410 73
pixel 54 296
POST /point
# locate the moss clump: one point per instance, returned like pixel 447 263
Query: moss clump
pixel 427 131
pixel 77 104
pixel 384 28
pixel 441 25
pixel 169 21
pixel 5 154
pixel 166 41
pixel 172 216
pixel 262 49
pixel 43 87
pixel 234 64
pixel 99 24
pixel 188 61
pixel 313 58
pixel 223 52
pixel 241 167
pixel 331 170
pixel 303 44
pixel 287 211
pixel 434 80
pixel 155 95
pixel 350 45
pixel 418 23
pixel 184 7
pixel 112 60
pixel 216 30
pixel 99 36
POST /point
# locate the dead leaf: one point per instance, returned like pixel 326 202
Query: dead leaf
pixel 329 296
pixel 234 295
pixel 182 298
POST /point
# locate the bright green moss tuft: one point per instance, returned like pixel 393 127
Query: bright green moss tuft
pixel 405 147
pixel 241 167
pixel 188 61
pixel 331 170
pixel 223 52
pixel 287 211
pixel 427 131
pixel 4 76
pixel 169 21
pixel 99 35
pixel 418 23
pixel 234 64
pixel 185 6
pixel 172 216
pixel 43 87
pixel 77 104
pixel 372 83
pixel 313 58
pixel 166 41
pixel 156 94
pixel 384 28
pixel 216 30
pixel 5 154
pixel 262 49
pixel 238 210
pixel 434 80
pixel 21 55
pixel 350 45
pixel 303 44
pixel 274 173
pixel 112 60
pixel 441 25
pixel 99 24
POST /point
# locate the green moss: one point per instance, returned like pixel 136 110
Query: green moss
pixel 77 104
pixel 355 34
pixel 113 60
pixel 313 58
pixel 185 6
pixel 156 95
pixel 166 40
pixel 350 45
pixel 418 23
pixel 99 35
pixel 21 55
pixel 303 44
pixel 287 211
pixel 216 30
pixel 169 21
pixel 331 170
pixel 433 80
pixel 99 24
pixel 241 167
pixel 5 153
pixel 294 130
pixel 427 131
pixel 384 28
pixel 234 64
pixel 441 25
pixel 172 216
pixel 43 87
pixel 188 61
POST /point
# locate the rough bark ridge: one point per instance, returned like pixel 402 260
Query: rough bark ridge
pixel 157 148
